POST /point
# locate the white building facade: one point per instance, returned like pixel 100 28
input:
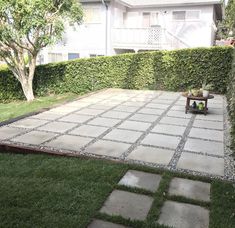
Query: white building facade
pixel 120 26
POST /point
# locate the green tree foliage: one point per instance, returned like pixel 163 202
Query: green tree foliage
pixel 226 28
pixel 27 26
pixel 230 17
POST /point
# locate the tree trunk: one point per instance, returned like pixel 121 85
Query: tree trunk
pixel 27 86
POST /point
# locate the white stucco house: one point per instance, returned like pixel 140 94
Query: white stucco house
pixel 118 26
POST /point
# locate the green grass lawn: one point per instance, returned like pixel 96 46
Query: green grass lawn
pixel 17 108
pixel 47 191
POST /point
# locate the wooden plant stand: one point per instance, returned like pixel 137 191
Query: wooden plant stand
pixel 189 108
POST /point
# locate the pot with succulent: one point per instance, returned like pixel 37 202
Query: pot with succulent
pixel 206 89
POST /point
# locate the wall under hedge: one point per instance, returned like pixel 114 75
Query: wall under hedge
pixel 169 70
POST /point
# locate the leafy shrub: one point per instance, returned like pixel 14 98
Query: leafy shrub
pixel 231 102
pixel 169 70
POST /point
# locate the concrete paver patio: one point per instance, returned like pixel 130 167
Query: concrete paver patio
pixel 147 127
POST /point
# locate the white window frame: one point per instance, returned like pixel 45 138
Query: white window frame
pixel 151 17
pixel 95 55
pixel 99 21
pixel 55 56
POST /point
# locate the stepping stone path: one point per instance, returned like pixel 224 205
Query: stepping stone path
pixel 136 207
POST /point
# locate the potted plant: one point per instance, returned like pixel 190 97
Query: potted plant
pixel 206 89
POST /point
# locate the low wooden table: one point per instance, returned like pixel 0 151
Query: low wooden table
pixel 189 108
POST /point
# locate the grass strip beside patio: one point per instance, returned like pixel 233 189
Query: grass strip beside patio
pixel 18 108
pixel 47 191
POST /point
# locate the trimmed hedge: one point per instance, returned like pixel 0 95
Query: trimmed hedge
pixel 231 102
pixel 169 70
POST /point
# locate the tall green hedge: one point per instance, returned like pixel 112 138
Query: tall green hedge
pixel 231 102
pixel 169 70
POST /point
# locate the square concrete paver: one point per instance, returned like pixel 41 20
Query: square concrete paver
pixel 116 114
pixel 63 110
pixel 47 116
pixel 207 134
pixel 123 108
pixel 134 103
pixel 158 140
pixel 123 135
pixel 105 122
pixel 169 129
pixel 196 190
pixel 108 148
pixel 201 163
pixel 58 127
pixel 135 125
pixel 138 179
pixel 179 114
pixel 178 108
pixel 151 111
pixel 162 101
pixel 144 118
pixel 182 215
pixel 34 137
pixel 210 117
pixel 198 145
pixel 157 106
pixel 128 205
pixel 88 130
pixel 90 111
pixel 29 123
pixel 175 121
pixel 9 132
pixel 216 111
pixel 69 142
pixel 100 107
pixel 75 118
pixel 208 124
pixel 151 155
pixel 104 224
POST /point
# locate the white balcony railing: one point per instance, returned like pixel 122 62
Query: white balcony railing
pixel 146 38
pixel 137 37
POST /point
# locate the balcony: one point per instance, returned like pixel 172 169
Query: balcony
pixel 154 38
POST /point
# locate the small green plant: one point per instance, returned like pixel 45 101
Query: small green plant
pixel 206 86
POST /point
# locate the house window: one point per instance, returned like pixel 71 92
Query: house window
pixel 193 15
pixel 146 20
pixel 95 55
pixel 179 15
pixel 92 15
pixel 73 56
pixel 55 57
pixel 186 15
pixel 149 19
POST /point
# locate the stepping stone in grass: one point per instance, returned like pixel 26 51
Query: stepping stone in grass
pixel 190 189
pixel 182 215
pixel 128 205
pixel 147 181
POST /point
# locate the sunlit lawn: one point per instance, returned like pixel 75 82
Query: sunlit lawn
pixel 17 108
